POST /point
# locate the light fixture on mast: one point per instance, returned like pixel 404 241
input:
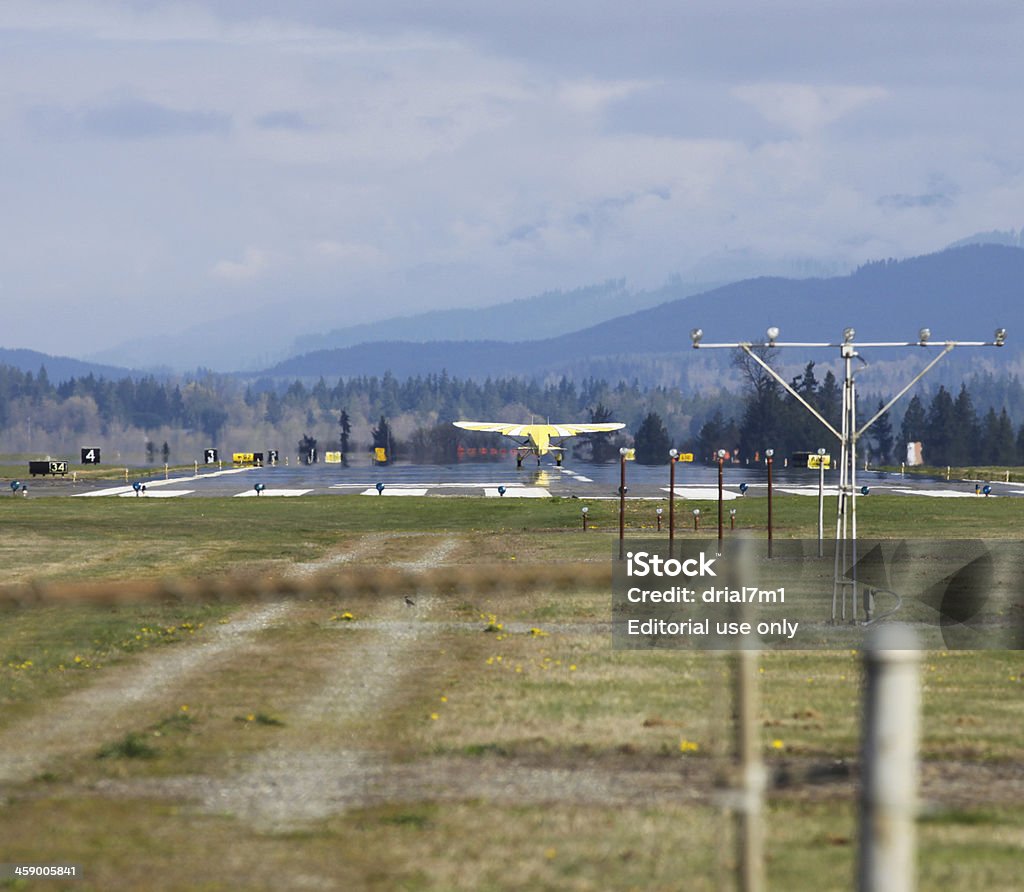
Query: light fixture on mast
pixel 848 434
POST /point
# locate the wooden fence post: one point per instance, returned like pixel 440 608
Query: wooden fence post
pixel 750 810
pixel 889 761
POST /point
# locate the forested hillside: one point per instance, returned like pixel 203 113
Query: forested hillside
pixel 146 419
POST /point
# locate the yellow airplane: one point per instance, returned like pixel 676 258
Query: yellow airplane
pixel 539 436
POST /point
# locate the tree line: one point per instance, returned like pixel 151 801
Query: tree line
pixel 173 420
pixel 951 429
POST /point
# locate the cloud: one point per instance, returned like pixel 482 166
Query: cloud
pixel 253 264
pixel 283 120
pixel 443 152
pixel 349 252
pixel 125 119
pixel 929 200
pixel 803 107
pixel 589 96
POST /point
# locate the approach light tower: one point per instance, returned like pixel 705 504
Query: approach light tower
pixel 848 435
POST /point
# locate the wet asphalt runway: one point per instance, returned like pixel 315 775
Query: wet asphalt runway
pixel 487 479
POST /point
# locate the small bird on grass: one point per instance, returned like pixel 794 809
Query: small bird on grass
pixel 409 602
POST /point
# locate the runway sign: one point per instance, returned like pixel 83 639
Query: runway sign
pixel 48 467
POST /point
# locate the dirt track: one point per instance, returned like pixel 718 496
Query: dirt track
pixel 295 780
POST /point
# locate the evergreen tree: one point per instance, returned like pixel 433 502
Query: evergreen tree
pixel 345 424
pixel 806 384
pixel 275 409
pixel 150 452
pixel 798 430
pixel 830 400
pixel 1005 451
pixel 940 429
pixel 437 445
pixel 603 447
pixel 165 453
pixel 881 432
pixel 986 453
pixel 712 437
pixel 382 438
pixel 652 441
pixel 964 437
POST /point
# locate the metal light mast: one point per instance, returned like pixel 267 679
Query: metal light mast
pixel 848 434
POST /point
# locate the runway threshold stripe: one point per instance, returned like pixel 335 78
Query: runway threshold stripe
pixel 538 492
pixel 395 491
pixel 168 494
pixel 702 493
pixel 272 492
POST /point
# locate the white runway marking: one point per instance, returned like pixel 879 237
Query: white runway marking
pixel 396 491
pixel 273 492
pixel 574 474
pixel 807 490
pixel 469 484
pixel 536 492
pixel 170 494
pixel 115 491
pixel 938 493
pixel 150 484
pixel 702 493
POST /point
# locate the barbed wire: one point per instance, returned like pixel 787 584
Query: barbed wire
pixel 248 588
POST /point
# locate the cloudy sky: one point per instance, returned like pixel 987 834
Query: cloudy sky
pixel 170 162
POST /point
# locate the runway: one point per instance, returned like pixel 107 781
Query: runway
pixel 495 480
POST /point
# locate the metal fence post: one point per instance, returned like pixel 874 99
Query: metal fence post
pixel 889 761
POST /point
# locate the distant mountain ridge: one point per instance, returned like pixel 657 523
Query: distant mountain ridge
pixel 59 368
pixel 1013 238
pixel 550 314
pixel 245 341
pixel 962 293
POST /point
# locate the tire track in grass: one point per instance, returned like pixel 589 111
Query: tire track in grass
pixel 301 779
pixel 293 783
pixel 77 723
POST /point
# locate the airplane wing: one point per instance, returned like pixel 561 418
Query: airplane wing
pixel 497 427
pixel 552 430
pixel 603 427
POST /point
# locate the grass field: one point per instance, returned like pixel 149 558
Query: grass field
pixel 469 741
